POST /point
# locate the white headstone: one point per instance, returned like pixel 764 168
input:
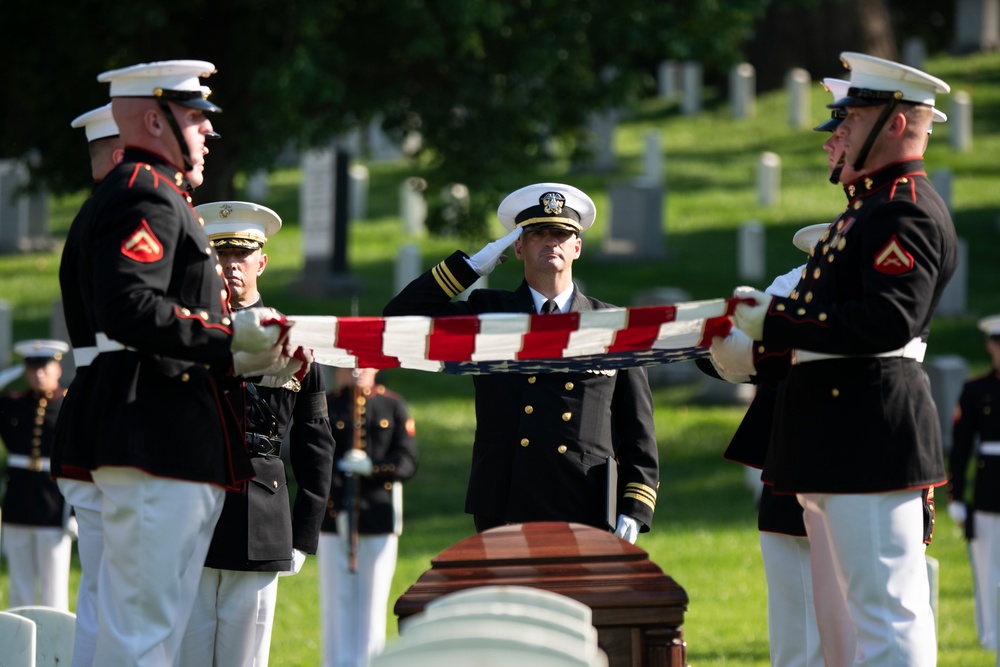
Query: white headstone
pixel 797 87
pixel 380 147
pixel 6 333
pixel 652 158
pixel 667 74
pixel 914 52
pixel 257 186
pixel 977 25
pixel 743 90
pixel 12 224
pixel 960 121
pixel 942 180
pixel 635 225
pixel 413 206
pixel 947 374
pixel 769 179
pixel 751 251
pixel 954 299
pixel 358 181
pixel 690 88
pixel 602 128
pixel 407 267
pixel 316 202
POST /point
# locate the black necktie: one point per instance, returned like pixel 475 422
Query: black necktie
pixel 549 307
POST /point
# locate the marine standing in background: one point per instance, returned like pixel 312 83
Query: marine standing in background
pixel 105 148
pixel 977 420
pixel 35 537
pixel 261 534
pixel 547 444
pixel 376 452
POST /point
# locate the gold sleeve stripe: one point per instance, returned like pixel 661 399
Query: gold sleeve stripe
pixel 446 280
pixel 639 487
pixel 641 498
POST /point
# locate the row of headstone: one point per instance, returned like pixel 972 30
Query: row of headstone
pixel 681 81
pixel 960 121
pixel 977 25
pixel 743 91
pixel 24 215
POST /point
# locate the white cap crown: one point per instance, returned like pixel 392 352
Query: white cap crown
pixel 238 224
pixel 548 206
pixel 97 123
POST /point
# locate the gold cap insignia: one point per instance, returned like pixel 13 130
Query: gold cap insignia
pixel 552 202
pixel 225 211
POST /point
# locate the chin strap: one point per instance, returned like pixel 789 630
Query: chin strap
pixel 835 174
pixel 876 129
pixel 185 150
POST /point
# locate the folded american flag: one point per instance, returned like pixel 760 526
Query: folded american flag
pixel 517 342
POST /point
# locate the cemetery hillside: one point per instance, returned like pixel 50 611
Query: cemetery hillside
pixel 691 202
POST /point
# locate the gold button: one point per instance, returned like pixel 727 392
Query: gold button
pixel 146 167
pixel 532 379
pixel 829 258
pixel 835 393
pixel 803 268
pixel 201 221
pixel 525 442
pixel 203 315
pixel 840 225
pixel 387 486
pixel 274 483
pixel 809 297
pixel 794 296
pixel 362 431
pixel 218 269
pixel 226 321
pixel 185 311
pixel 760 350
pixel 566 416
pixel 986 410
pixel 904 180
pixel 780 308
pixel 857 205
pixel 340 424
pixel 562 449
pixel 801 311
pixel 223 293
pixel 43 402
pixel 528 409
pixel 362 410
pixel 185 377
pixel 36 442
pixel 826 248
pixel 569 386
pixel 816 273
pixel 361 400
pixel 384 423
pixel 842 243
pixel 822 317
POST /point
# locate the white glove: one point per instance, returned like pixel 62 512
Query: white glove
pixel 252 364
pixel 72 528
pixel 298 558
pixel 484 261
pixel 356 462
pixel 733 355
pixel 957 512
pixel 627 528
pixel 257 329
pixel 750 316
pixel 731 378
pixel 785 283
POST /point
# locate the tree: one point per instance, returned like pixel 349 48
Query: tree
pixel 489 85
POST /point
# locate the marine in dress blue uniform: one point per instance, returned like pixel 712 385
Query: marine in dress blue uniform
pixel 148 317
pixel 376 452
pixel 855 433
pixel 543 442
pixel 976 444
pixel 36 541
pixel 261 533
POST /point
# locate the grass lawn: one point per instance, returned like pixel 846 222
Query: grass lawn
pixel 704 534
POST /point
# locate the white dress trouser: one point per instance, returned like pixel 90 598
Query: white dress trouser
pixel 791 617
pixel 85 498
pixel 156 535
pixel 232 619
pixel 353 605
pixel 868 550
pixel 985 552
pixel 38 556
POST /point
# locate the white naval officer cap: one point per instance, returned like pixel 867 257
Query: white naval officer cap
pixel 238 224
pixel 809 236
pixel 174 80
pixel 41 350
pixel 990 326
pixel 875 81
pixel 547 206
pixel 97 123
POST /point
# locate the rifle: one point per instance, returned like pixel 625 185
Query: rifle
pixel 352 483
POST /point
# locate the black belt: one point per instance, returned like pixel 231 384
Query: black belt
pixel 262 445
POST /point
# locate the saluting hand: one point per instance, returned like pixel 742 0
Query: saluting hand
pixel 487 259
